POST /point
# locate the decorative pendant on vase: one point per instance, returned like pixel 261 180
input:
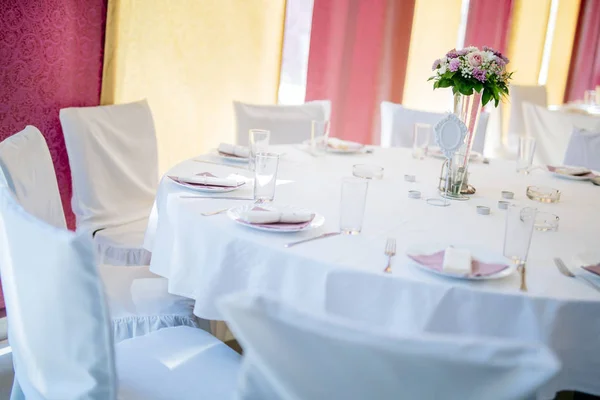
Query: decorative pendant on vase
pixel 467 109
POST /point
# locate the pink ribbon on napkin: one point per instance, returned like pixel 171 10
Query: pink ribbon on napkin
pixel 280 225
pixel 176 179
pixel 594 269
pixel 435 261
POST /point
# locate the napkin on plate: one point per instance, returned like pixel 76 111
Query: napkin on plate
pixel 282 219
pixel 234 150
pixel 340 144
pixel 206 179
pixel 572 171
pixel 594 269
pixel 435 261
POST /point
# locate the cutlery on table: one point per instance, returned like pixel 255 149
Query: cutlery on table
pixel 390 251
pixel 216 198
pixel 566 272
pixel 322 236
pixel 220 163
pixel 211 213
pixel 522 271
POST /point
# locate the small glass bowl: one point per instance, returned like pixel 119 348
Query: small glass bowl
pixel 545 221
pixel 543 194
pixel 367 171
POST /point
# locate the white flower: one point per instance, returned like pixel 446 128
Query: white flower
pixel 443 68
pixel 488 56
pixel 471 49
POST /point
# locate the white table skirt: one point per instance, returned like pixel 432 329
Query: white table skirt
pixel 207 257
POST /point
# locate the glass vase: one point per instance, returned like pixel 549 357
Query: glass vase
pixel 467 109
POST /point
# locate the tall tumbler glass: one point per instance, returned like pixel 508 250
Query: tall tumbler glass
pixel 265 176
pixel 517 237
pixel 352 205
pixel 319 136
pixel 259 143
pixel 526 152
pixel 421 136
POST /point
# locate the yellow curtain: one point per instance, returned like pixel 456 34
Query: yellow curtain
pixel 191 59
pixel 434 32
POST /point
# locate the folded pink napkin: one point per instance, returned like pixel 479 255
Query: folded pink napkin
pixel 594 269
pixel 565 171
pixel 435 261
pixel 206 179
pixel 282 219
pixel 340 144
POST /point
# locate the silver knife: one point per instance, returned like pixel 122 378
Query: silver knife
pixel 322 236
pixel 216 198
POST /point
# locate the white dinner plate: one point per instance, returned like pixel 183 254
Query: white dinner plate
pixel 227 157
pixel 236 212
pixel 435 152
pixel 572 177
pixel 349 150
pixel 477 253
pixel 208 189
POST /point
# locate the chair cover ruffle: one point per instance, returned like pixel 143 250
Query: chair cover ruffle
pixel 128 327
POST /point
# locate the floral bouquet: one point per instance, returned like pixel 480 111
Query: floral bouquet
pixel 470 69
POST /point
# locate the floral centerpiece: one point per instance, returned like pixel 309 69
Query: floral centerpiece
pixel 472 70
pixel 476 77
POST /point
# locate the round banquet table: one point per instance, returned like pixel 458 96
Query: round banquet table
pixel 204 258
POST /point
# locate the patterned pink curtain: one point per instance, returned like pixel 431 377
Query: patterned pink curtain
pixel 50 58
pixel 488 23
pixel 346 59
pixel 584 73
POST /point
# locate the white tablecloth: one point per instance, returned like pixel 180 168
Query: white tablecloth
pixel 206 257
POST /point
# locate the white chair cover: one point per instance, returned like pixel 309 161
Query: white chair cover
pixel 27 166
pixel 584 149
pixel 552 130
pixel 139 300
pixel 287 124
pixel 60 332
pixel 520 94
pixel 114 165
pixel 304 356
pixel 397 123
pixel 59 324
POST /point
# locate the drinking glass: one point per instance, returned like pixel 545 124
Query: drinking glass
pixel 590 97
pixel 517 237
pixel 421 137
pixel 259 143
pixel 265 176
pixel 526 151
pixel 352 205
pixel 319 135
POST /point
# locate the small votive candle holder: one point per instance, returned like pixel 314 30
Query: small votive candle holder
pixel 483 210
pixel 410 178
pixel 545 221
pixel 503 205
pixel 543 194
pixel 367 171
pixel 414 194
pixel 508 195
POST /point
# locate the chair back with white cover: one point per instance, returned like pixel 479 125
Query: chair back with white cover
pixel 27 166
pixel 520 94
pixel 62 346
pixel 287 124
pixel 299 355
pixel 397 124
pixel 584 149
pixel 114 163
pixel 552 130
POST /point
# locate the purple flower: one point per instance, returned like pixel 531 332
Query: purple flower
pixel 454 64
pixel 452 54
pixel 479 74
pixel 462 52
pixel 436 64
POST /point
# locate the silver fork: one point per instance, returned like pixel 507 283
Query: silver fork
pixel 566 272
pixel 211 213
pixel 390 251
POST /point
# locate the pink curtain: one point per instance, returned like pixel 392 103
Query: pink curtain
pixel 346 59
pixel 50 58
pixel 584 72
pixel 488 23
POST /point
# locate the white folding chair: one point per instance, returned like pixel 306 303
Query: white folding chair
pixel 138 299
pixel 552 130
pixel 397 124
pixel 287 124
pixel 60 327
pixel 292 354
pixel 584 149
pixel 520 94
pixel 114 165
